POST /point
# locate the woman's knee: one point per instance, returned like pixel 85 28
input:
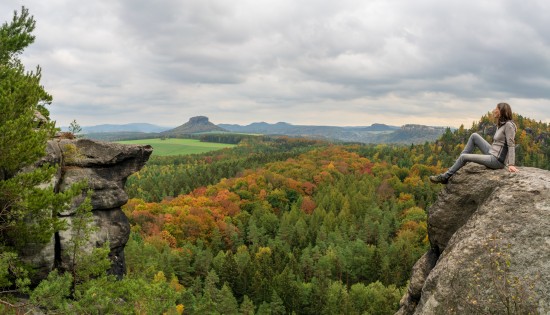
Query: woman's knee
pixel 476 135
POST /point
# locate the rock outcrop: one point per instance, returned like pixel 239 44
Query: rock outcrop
pixel 105 167
pixel 489 232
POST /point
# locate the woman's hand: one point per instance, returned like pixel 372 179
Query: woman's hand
pixel 512 169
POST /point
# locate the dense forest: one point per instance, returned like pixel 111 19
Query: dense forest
pixel 321 233
pixel 275 225
pixel 291 225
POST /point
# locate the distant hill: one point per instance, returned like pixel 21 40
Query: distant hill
pixel 376 133
pixel 134 127
pixel 289 129
pixel 380 127
pixel 198 124
pixel 408 134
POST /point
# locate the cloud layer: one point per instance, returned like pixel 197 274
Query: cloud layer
pixel 305 62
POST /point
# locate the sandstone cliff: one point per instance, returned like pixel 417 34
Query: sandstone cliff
pixel 105 166
pixel 489 232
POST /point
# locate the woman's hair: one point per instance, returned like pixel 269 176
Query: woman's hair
pixel 505 113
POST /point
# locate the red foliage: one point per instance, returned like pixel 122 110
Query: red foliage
pixel 308 188
pixel 308 205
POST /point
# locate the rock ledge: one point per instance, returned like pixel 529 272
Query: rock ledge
pixel 481 217
pixel 105 166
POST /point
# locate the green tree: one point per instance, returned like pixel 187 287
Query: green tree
pixel 75 128
pixel 85 266
pixel 382 300
pixel 227 304
pixel 247 306
pixel 276 305
pixel 22 97
pixel 337 299
pixel 28 202
pixel 264 309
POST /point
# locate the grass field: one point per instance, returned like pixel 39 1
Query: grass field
pixel 178 146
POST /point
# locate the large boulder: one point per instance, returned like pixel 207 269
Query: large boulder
pixel 490 232
pixel 104 166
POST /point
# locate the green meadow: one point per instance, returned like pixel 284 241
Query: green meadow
pixel 173 146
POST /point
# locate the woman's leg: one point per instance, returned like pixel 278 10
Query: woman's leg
pixel 488 160
pixel 474 141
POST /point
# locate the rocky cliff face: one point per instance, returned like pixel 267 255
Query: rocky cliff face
pixel 490 246
pixel 105 166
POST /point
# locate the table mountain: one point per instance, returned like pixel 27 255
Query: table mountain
pixel 196 124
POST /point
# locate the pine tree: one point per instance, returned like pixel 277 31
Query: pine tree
pixel 264 309
pixel 276 305
pixel 22 97
pixel 28 202
pixel 23 138
pixel 227 304
pixel 247 306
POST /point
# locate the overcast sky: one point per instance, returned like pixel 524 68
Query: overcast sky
pixel 340 63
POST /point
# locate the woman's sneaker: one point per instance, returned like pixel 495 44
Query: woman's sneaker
pixel 439 179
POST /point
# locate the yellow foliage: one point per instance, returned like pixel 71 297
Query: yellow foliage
pixel 404 197
pixel 159 277
pixel 175 284
pixel 180 308
pixel 263 251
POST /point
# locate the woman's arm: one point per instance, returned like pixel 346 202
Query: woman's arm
pixel 510 134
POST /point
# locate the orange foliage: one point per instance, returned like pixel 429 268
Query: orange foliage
pixel 308 205
pixel 308 188
pixel 165 235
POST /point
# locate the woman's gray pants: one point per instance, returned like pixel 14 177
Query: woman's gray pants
pixel 486 159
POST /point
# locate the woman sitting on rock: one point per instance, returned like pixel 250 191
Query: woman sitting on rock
pixel 496 156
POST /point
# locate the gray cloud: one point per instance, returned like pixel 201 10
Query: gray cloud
pixel 344 62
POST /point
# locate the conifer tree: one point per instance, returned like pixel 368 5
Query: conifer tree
pixel 276 304
pixel 22 100
pixel 247 306
pixel 25 130
pixel 227 304
pixel 29 203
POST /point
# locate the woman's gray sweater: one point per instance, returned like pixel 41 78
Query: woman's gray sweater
pixel 504 144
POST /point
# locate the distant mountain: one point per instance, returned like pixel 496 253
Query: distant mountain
pixel 408 134
pixel 380 127
pixel 376 133
pixel 134 127
pixel 198 124
pixel 286 128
